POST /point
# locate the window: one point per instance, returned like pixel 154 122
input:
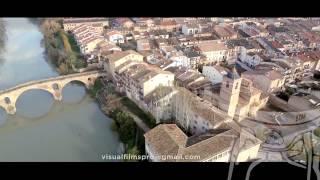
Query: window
pixel 227 84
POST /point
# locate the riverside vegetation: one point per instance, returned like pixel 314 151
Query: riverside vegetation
pixel 117 107
pixel 61 47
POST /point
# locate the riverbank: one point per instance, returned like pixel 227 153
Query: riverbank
pixel 129 120
pixel 61 47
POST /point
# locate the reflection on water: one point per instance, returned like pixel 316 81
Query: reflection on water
pixel 23 57
pixel 77 132
pixel 34 103
pixel 73 93
pixel 43 129
pixel 3 116
pixel 3 38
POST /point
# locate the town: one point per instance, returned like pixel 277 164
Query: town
pixel 216 88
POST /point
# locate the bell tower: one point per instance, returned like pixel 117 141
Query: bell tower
pixel 229 92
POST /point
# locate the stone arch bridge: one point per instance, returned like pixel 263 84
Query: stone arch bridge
pixel 54 86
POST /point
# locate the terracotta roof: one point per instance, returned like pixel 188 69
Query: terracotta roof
pixel 204 108
pixel 207 47
pixel 309 56
pixel 269 73
pixel 123 20
pixel 168 23
pixel 276 44
pixel 158 93
pixel 112 32
pixel 220 68
pixel 213 145
pixel 224 31
pixel 168 139
pixel 118 55
pixel 83 20
pixel 87 41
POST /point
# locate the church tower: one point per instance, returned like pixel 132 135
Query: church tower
pixel 229 92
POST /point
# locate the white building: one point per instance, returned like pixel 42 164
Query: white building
pixel 249 59
pixel 115 36
pixel 214 73
pixel 143 45
pixel 190 29
pixel 180 59
pixel 214 52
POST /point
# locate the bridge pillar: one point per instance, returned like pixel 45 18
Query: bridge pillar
pixel 57 95
pixel 11 109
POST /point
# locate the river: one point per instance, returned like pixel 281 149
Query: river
pixel 43 129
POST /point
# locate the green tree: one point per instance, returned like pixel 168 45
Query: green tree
pixel 113 114
pixel 133 151
pixel 126 128
pixel 114 126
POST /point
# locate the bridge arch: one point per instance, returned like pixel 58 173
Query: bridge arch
pixel 30 89
pixel 78 81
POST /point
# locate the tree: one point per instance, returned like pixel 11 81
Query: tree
pixel 113 113
pixel 133 150
pixel 63 68
pixel 49 28
pixel 127 127
pixel 112 102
